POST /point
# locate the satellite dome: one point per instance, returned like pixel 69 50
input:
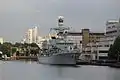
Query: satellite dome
pixel 60 17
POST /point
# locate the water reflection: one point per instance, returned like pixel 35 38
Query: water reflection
pixel 31 70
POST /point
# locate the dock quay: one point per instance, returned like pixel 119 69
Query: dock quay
pixel 21 58
pixel 110 63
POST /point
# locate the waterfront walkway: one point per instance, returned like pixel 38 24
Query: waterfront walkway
pixel 21 57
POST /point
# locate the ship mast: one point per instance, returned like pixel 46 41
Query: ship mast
pixel 61 30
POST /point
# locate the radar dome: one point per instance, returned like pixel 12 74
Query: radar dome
pixel 60 17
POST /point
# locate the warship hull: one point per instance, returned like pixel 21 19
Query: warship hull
pixel 58 59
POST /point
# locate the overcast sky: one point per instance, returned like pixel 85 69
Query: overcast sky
pixel 16 16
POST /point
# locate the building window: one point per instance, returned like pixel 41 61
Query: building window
pixel 65 47
pixel 111 32
pixel 113 26
pixel 106 45
pixel 99 46
pixel 93 46
pixel 80 42
pixel 89 41
pixel 103 51
pixel 110 45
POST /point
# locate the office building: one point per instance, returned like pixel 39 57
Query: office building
pixel 77 38
pixel 34 34
pixel 90 37
pixel 101 47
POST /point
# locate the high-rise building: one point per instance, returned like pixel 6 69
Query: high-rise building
pixel 1 40
pixel 34 34
pixel 31 35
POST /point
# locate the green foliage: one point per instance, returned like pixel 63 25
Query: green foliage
pixel 27 52
pixel 114 50
pixel 25 45
pixel 14 49
pixel 27 49
pixel 5 48
pixel 34 49
pixel 17 53
pixel 35 52
pixel 8 43
pixel 34 45
pixel 18 44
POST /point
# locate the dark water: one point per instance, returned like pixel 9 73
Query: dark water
pixel 22 70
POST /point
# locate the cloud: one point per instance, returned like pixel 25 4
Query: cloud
pixel 38 11
pixel 15 6
pixel 16 16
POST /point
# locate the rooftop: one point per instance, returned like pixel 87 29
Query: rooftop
pixel 79 33
pixel 112 22
pixel 75 33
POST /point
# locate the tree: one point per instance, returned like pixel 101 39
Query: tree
pixel 34 48
pixel 26 45
pixel 27 52
pixel 34 51
pixel 5 49
pixel 18 44
pixel 14 49
pixel 17 53
pixel 8 43
pixel 114 50
pixel 34 45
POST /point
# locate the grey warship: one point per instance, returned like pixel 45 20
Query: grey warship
pixel 59 50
